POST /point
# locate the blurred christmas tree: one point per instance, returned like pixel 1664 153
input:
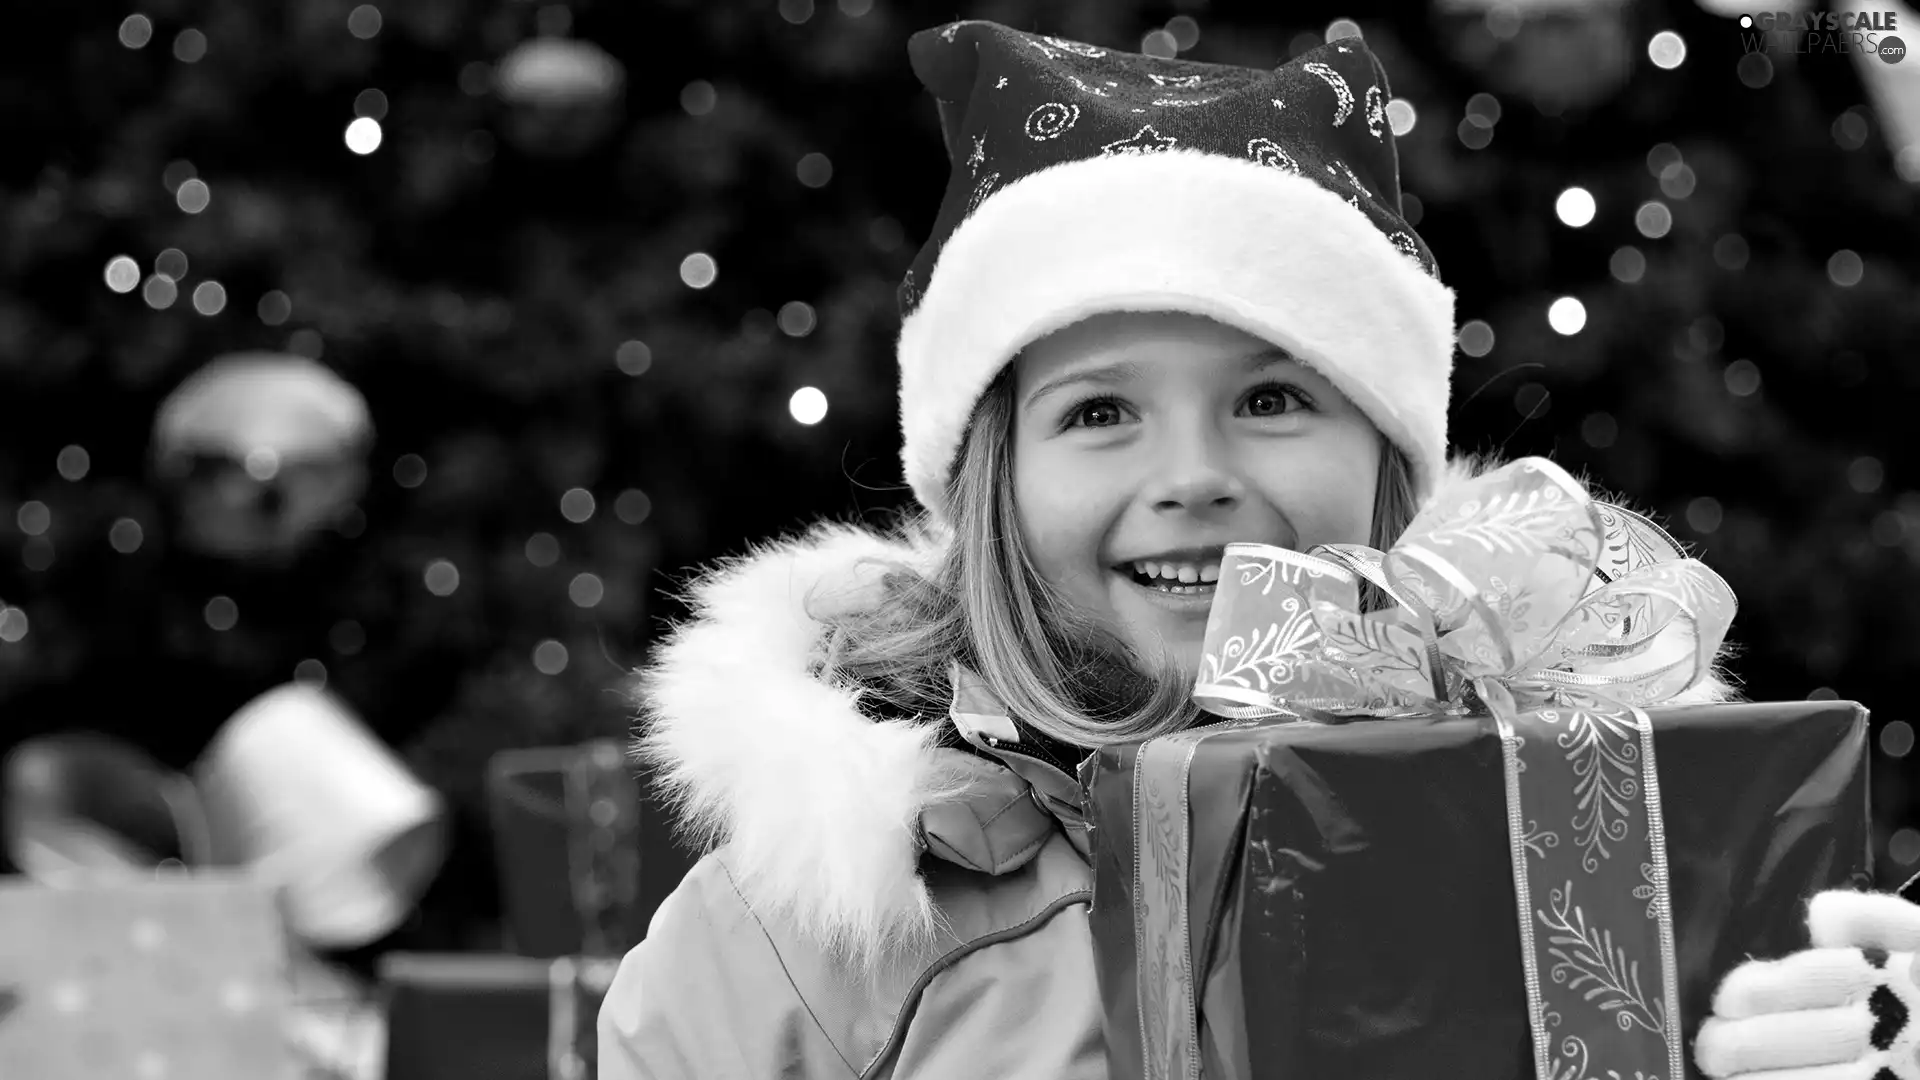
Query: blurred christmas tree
pixel 617 283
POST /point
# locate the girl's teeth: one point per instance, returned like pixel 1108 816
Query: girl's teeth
pixel 1174 574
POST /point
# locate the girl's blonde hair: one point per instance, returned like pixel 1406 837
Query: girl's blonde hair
pixel 1054 667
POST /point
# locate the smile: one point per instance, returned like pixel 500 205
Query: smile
pixel 1175 576
pixel 1182 581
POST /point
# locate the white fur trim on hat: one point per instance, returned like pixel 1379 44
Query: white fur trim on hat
pixel 1252 246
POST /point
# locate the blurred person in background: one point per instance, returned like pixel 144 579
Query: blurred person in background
pixel 170 746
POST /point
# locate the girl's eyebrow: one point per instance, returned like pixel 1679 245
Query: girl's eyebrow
pixel 1123 370
pixel 1104 375
pixel 1269 357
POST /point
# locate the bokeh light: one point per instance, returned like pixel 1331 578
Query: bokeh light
pixel 808 405
pixel 1475 133
pixel 1337 30
pixel 1845 268
pixel 632 506
pixel 371 104
pixel 1896 739
pixel 1667 50
pixel 122 274
pixel 209 298
pixel 1628 265
pixel 410 471
pixel 193 196
pixel 33 517
pixel 136 31
pixel 1186 32
pixel 126 536
pixel 275 307
pixel 441 577
pixel 1599 430
pixel 1575 206
pixel 815 170
pixel 698 270
pixel 699 98
pixel 1401 116
pixel 1731 252
pixel 1866 474
pixel 1532 401
pixel 347 637
pixel 364 21
pixel 171 264
pixel 1476 337
pixel 543 549
pixel 586 590
pixel 1904 846
pixel 1653 219
pixel 577 505
pixel 633 357
pixel 363 135
pixel 1850 130
pixel 796 319
pixel 1743 378
pixel 1704 514
pixel 160 292
pixel 190 46
pixel 550 657
pixel 1567 316
pixel 73 463
pixel 221 613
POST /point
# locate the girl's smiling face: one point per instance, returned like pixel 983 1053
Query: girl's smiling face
pixel 1144 443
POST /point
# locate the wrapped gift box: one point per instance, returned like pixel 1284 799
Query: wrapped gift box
pixel 1459 820
pixel 492 1017
pixel 152 980
pixel 566 825
pixel 1351 896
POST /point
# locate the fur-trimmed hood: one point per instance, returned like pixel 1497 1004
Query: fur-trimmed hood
pixel 819 805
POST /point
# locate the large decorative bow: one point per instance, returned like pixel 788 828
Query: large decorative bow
pixel 1515 588
pixel 1518 598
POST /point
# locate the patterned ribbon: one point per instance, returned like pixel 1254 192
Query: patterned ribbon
pixel 1516 598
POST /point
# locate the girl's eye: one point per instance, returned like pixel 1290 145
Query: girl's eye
pixel 1096 413
pixel 1275 399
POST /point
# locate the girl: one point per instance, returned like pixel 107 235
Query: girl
pixel 1167 306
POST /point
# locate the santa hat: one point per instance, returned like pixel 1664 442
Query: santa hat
pixel 1087 180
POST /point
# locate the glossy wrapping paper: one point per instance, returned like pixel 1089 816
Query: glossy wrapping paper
pixel 1358 909
pixel 1457 819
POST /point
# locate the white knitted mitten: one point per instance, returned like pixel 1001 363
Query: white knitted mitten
pixel 1846 1009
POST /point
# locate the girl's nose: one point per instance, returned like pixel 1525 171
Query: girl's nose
pixel 1196 479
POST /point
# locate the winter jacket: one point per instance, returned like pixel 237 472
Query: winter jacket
pixel 881 903
pixel 847 842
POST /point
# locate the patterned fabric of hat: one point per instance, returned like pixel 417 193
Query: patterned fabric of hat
pixel 1087 180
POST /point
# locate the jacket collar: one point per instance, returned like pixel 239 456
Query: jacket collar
pixel 1052 797
pixel 824 812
